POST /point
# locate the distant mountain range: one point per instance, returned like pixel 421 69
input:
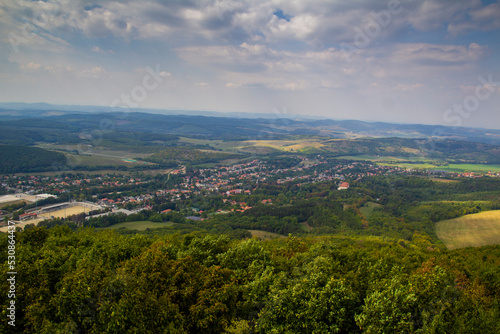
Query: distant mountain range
pixel 47 120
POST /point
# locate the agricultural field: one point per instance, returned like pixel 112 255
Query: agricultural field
pixel 376 158
pixel 412 166
pixel 97 159
pixel 479 229
pixel 140 225
pixel 292 145
pixel 461 168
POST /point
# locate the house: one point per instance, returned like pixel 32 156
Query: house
pixel 343 185
pixel 29 215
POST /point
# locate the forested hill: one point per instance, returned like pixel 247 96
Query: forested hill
pixel 102 282
pixel 38 124
pixel 15 159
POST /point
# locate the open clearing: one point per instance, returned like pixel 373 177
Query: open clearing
pixel 479 229
pixel 292 145
pixel 98 160
pixel 368 208
pixel 265 235
pixel 97 157
pixel 140 225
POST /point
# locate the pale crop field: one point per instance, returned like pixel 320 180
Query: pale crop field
pixel 479 229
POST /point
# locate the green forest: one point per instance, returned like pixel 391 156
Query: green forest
pixel 16 159
pixel 173 156
pixel 102 282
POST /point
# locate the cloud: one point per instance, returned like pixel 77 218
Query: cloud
pixel 438 56
pixel 480 19
pixel 96 72
pixel 318 23
pixel 30 67
pixel 272 52
pixel 408 88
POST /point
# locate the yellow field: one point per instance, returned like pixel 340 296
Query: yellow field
pixel 74 210
pixel 287 145
pixel 474 230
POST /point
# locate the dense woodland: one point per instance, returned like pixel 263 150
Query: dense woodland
pixel 174 156
pixel 103 282
pixel 16 159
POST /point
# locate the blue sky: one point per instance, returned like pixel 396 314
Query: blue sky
pixel 430 62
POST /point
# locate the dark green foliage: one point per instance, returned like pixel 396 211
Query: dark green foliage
pixel 185 155
pixel 17 159
pixel 102 282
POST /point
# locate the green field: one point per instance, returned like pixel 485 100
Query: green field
pixel 412 166
pixel 453 168
pixel 474 230
pixel 368 208
pixel 140 225
pixel 377 158
pixel 98 157
pixel 461 168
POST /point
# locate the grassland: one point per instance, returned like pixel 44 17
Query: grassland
pixel 140 225
pixel 411 166
pixel 292 145
pixel 461 168
pixel 474 230
pixel 4 204
pixel 368 208
pixel 376 158
pixel 95 157
pixel 265 235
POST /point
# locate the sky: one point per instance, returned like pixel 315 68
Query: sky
pixel 426 62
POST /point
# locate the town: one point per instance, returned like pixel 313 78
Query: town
pixel 136 191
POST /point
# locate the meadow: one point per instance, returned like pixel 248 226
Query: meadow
pixel 479 229
pixel 461 168
pixel 264 235
pixel 367 209
pixel 140 225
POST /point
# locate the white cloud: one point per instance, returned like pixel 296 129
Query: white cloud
pixel 268 50
pixel 31 67
pixel 96 72
pixel 408 88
